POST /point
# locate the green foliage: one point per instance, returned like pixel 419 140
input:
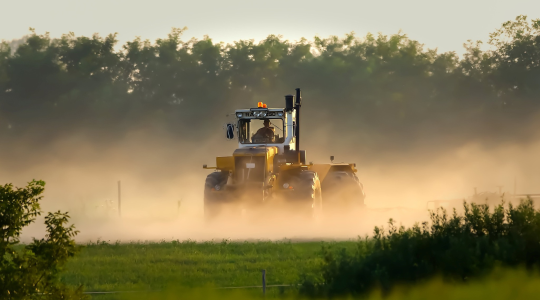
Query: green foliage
pixel 391 86
pixel 31 271
pixel 502 284
pixel 19 208
pixel 191 270
pixel 157 265
pixel 517 56
pixel 457 247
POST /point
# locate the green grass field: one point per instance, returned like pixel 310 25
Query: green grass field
pixel 501 285
pixel 189 270
pixel 156 266
pixel 462 250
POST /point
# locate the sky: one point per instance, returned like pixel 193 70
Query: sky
pixel 445 25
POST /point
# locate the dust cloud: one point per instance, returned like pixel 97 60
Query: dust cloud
pixel 162 186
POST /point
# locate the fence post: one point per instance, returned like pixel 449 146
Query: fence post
pixel 178 206
pixel 119 199
pixel 515 186
pixel 264 281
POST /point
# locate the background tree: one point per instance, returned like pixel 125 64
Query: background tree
pixel 380 90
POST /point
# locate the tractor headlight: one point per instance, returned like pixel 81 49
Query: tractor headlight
pixel 280 114
pixel 239 115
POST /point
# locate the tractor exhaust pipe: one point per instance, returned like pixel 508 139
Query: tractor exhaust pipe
pixel 289 103
pixel 297 107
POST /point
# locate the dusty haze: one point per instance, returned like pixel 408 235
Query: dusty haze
pixel 85 112
pixel 158 172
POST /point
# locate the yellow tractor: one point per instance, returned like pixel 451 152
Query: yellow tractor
pixel 269 168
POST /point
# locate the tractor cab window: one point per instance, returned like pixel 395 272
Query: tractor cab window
pixel 261 131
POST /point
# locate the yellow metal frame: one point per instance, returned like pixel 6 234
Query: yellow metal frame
pixel 225 163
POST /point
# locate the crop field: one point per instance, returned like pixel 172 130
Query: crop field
pixel 141 266
pixel 190 270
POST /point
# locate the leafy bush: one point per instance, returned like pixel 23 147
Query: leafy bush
pixel 31 271
pixel 456 247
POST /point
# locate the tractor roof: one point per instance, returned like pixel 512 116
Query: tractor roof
pixel 255 108
pixel 251 113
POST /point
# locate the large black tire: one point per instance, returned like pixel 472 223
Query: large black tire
pixel 343 192
pixel 309 194
pixel 212 200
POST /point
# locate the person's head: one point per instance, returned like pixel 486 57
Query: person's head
pixel 266 122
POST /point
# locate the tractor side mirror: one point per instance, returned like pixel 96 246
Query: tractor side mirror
pixel 230 131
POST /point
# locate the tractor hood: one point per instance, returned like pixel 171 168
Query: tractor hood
pixel 253 164
pixel 256 151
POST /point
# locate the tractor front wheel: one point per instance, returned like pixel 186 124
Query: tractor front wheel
pixel 213 197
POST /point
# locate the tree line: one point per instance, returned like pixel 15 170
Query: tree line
pixel 383 87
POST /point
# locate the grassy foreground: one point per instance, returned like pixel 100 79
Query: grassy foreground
pixel 398 261
pixel 502 284
pixel 154 266
pixel 189 270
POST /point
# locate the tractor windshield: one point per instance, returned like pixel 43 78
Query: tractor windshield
pixel 261 131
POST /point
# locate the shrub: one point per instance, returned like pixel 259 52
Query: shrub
pixel 31 271
pixel 456 247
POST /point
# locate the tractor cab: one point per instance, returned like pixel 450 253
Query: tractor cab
pixel 263 126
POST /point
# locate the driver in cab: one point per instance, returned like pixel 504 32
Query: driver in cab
pixel 265 132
